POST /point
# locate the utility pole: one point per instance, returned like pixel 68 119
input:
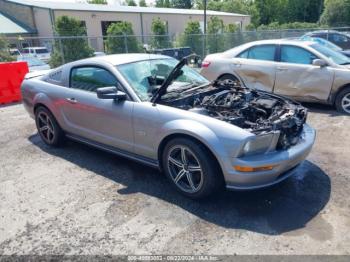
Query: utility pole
pixel 205 29
pixel 205 16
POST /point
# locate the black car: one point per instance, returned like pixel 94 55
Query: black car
pixel 340 39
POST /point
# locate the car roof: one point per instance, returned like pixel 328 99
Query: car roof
pixel 35 47
pixel 120 59
pixel 246 46
pixel 281 41
pixel 324 32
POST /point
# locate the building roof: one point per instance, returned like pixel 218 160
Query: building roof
pixel 9 25
pixel 116 8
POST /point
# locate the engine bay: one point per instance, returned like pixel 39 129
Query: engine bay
pixel 256 111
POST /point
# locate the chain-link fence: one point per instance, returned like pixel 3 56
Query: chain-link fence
pixel 70 48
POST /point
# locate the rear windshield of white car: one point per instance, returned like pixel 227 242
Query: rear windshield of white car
pixel 141 74
pixel 335 56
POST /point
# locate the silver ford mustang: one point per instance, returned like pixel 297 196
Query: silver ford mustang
pixel 160 112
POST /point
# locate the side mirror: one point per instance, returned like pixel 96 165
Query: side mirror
pixel 319 62
pixel 110 92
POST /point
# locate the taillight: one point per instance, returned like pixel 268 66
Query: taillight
pixel 205 64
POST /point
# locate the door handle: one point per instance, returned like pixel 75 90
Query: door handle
pixel 281 68
pixel 72 100
pixel 237 64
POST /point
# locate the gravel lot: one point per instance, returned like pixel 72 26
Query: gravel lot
pixel 78 200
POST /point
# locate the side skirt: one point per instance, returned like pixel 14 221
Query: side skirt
pixel 143 160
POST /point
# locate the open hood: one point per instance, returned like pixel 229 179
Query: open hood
pixel 176 72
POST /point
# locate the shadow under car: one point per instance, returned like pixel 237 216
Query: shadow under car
pixel 284 207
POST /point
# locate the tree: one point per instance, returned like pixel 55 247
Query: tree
pixel 288 11
pixel 231 28
pixel 193 37
pixel 232 37
pixel 98 2
pixel 269 11
pixel 131 3
pixel 183 4
pixel 143 3
pixel 69 49
pixel 232 6
pixel 4 51
pixel 215 38
pixel 121 39
pixel 336 13
pixel 163 3
pixel 159 30
pixel 215 25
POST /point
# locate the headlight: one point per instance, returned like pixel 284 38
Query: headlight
pixel 260 144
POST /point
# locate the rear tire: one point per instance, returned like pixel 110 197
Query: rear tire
pixel 191 168
pixel 49 130
pixel 342 101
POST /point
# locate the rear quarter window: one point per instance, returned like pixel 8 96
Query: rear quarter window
pixel 54 77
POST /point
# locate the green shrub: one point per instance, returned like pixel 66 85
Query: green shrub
pixel 193 37
pixel 69 49
pixel 4 51
pixel 160 38
pixel 121 39
pixel 215 39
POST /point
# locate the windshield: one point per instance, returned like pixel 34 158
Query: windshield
pixel 32 61
pixel 336 57
pixel 145 77
pixel 323 42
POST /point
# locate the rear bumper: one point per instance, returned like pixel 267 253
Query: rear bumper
pixel 285 162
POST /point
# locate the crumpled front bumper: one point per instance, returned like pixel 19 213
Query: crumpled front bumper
pixel 285 162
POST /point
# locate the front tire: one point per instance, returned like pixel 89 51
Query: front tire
pixel 48 128
pixel 191 168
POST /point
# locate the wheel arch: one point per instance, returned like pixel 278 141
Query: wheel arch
pixel 333 96
pixel 234 75
pixel 43 100
pixel 37 105
pixel 170 137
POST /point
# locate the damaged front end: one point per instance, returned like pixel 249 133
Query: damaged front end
pixel 256 111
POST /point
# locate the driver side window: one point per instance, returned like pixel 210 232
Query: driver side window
pixel 296 55
pixel 90 78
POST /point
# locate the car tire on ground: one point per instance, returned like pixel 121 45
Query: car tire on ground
pixel 48 128
pixel 191 168
pixel 342 101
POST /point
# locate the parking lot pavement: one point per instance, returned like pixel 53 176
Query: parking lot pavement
pixel 78 200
